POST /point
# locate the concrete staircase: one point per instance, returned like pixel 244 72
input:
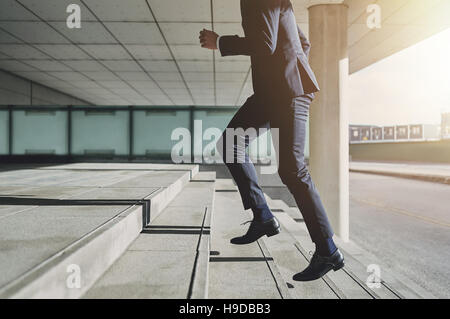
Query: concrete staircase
pixel 169 258
pixel 76 220
pixel 160 231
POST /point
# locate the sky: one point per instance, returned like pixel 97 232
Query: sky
pixel 409 87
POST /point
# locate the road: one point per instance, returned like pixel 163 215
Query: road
pixel 406 224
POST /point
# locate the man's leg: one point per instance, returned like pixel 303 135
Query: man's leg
pixel 291 120
pixel 234 145
pixel 242 130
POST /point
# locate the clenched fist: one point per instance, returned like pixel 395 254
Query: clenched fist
pixel 208 39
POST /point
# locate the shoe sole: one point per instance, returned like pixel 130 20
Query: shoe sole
pixel 339 266
pixel 274 232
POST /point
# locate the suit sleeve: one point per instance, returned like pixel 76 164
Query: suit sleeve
pixel 306 45
pixel 261 34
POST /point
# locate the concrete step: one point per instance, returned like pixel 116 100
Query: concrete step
pixel 239 272
pixel 53 225
pixel 350 282
pixel 170 258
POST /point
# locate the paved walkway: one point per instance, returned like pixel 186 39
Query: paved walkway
pixel 439 173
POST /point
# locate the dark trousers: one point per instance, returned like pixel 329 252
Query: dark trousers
pixel 290 117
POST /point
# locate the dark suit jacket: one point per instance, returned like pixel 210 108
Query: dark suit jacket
pixel 278 49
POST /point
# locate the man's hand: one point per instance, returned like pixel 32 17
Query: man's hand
pixel 208 39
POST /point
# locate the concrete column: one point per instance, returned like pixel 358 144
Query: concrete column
pixel 329 149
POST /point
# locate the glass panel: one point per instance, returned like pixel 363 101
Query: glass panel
pixel 4 132
pixel 39 132
pixel 100 133
pixel 153 131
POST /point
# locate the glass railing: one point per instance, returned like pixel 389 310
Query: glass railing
pixel 4 132
pixel 115 132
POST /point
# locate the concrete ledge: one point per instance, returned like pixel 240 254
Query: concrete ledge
pixel 49 279
pixel 165 195
pixel 422 177
pixel 425 172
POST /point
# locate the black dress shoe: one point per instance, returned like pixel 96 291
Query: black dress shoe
pixel 320 266
pixel 257 230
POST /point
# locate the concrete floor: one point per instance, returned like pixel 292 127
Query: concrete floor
pixel 406 224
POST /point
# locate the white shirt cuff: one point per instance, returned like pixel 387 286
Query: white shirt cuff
pixel 218 43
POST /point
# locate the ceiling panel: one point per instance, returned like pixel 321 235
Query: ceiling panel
pixel 227 11
pixel 12 10
pixel 149 52
pixel 22 51
pixel 89 33
pixel 33 32
pixel 171 84
pixel 196 66
pixel 85 65
pixel 63 51
pixel 159 66
pixel 181 11
pixel 7 38
pixel 136 33
pixel 106 51
pixel 101 92
pixel 145 86
pixel 114 84
pixel 15 66
pixel 47 65
pixel 166 76
pixel 199 76
pixel 161 100
pixel 200 85
pixel 133 76
pixel 101 75
pixel 86 84
pixel 191 52
pixel 69 76
pixel 120 10
pixel 198 92
pixel 176 91
pixel 231 76
pixel 124 65
pixel 233 66
pixel 229 29
pixel 183 33
pixel 52 10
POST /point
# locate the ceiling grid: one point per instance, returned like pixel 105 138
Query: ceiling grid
pixel 146 52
